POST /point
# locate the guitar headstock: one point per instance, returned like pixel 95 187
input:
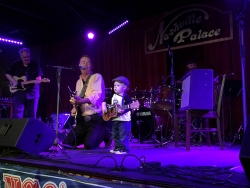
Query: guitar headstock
pixel 72 93
pixel 135 105
pixel 44 80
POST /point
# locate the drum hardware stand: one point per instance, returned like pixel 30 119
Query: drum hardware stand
pixel 161 143
pixel 139 134
pixel 139 127
pixel 58 76
pixel 173 88
pixel 130 136
pixel 151 99
pixel 237 134
pixel 152 92
pixel 49 121
pixel 134 98
pixel 239 17
pixel 173 85
pixel 165 80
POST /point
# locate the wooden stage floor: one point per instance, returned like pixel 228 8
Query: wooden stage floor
pixel 145 166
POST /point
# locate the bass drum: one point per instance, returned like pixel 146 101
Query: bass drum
pixel 143 123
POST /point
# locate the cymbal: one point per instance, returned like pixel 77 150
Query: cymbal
pixel 140 94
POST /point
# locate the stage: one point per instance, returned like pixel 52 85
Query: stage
pixel 145 166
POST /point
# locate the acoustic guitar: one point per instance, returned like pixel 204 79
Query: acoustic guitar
pixel 21 81
pixel 112 110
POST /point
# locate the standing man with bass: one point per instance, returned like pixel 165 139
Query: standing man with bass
pixel 25 97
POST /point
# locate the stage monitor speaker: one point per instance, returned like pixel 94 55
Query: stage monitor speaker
pixel 197 90
pixel 28 134
pixel 245 151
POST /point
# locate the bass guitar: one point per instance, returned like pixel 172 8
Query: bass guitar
pixel 21 81
pixel 112 110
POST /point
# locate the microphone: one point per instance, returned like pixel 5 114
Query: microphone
pixel 169 51
pixel 60 67
pixel 82 67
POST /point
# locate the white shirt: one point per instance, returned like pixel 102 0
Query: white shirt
pixel 117 99
pixel 95 92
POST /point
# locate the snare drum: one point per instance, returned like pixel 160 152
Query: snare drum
pixel 164 98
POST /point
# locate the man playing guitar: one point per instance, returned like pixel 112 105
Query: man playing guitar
pixel 28 97
pixel 90 129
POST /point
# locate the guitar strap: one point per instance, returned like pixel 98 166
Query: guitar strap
pixel 83 91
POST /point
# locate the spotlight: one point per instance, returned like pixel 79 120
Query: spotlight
pixel 118 27
pixel 10 41
pixel 90 35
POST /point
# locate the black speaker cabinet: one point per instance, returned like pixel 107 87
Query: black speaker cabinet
pixel 197 90
pixel 28 134
pixel 245 151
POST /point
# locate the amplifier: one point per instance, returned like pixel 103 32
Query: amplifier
pixel 6 100
pixel 197 90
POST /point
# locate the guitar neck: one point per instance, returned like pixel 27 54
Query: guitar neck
pixel 128 106
pixel 125 107
pixel 21 81
pixel 29 82
pixel 121 107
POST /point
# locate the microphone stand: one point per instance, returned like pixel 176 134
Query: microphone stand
pixel 58 76
pixel 173 85
pixel 173 90
pixel 239 17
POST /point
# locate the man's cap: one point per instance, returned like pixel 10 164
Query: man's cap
pixel 122 79
pixel 190 61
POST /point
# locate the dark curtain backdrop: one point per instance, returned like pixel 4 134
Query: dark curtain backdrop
pixel 122 53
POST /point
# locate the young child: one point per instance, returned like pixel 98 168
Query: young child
pixel 121 124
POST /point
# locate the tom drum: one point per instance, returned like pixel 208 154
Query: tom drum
pixel 164 98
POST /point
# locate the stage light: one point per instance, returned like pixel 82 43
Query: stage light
pixel 11 41
pixel 91 35
pixel 118 27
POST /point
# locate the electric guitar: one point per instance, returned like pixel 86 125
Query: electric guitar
pixel 112 110
pixel 77 107
pixel 21 81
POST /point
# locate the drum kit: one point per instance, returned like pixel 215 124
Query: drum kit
pixel 152 121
